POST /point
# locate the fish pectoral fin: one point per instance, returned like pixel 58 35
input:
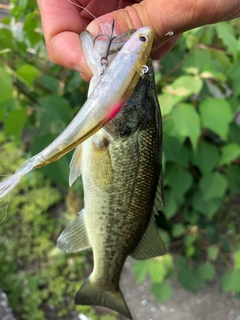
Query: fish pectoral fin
pixel 74 237
pixel 91 294
pixel 151 244
pixel 75 165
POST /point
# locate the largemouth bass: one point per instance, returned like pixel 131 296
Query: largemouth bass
pixel 122 177
pixel 111 92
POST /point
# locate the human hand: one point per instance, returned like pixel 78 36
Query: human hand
pixel 63 22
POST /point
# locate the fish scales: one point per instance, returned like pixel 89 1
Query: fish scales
pixel 121 170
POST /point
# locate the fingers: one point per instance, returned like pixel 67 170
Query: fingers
pixel 62 24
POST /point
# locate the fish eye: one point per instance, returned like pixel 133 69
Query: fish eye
pixel 143 38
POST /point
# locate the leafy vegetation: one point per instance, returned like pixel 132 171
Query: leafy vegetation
pixel 198 89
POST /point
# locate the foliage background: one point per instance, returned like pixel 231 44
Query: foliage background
pixel 198 88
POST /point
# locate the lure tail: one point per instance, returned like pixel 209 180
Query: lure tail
pixel 10 183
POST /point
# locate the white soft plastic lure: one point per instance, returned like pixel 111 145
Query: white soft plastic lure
pixel 111 91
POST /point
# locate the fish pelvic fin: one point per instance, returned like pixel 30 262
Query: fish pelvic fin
pixel 91 294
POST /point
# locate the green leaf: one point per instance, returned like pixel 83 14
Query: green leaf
pixel 229 152
pixel 226 33
pixel 175 151
pixel 140 270
pixel 171 205
pixel 49 82
pixel 57 108
pixel 162 291
pixel 187 122
pixel 6 87
pixel 6 39
pixel 166 102
pixel 178 230
pixel 28 73
pixel 233 176
pixel 206 271
pixel 208 208
pixel 184 86
pixel 205 157
pixel 231 281
pixel 179 180
pixel 216 114
pixel 213 185
pixel 212 252
pixel 237 260
pixel 15 123
pixel 233 74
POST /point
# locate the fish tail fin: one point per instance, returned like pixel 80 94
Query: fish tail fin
pixel 9 183
pixel 90 294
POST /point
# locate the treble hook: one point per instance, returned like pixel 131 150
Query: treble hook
pixel 104 59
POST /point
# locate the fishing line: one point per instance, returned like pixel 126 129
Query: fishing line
pixel 6 212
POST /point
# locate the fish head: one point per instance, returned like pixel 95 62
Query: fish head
pixel 140 42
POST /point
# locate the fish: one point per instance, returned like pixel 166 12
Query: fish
pixel 112 87
pixel 121 168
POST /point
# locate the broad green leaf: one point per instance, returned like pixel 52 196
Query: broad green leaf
pixel 233 73
pixel 226 33
pixel 212 252
pixel 6 39
pixel 28 73
pixel 206 271
pixel 231 281
pixel 213 185
pixel 230 152
pixel 166 102
pixel 216 115
pixel 179 180
pixel 6 87
pixel 185 86
pixel 49 82
pixel 15 122
pixel 175 151
pixel 178 230
pixel 199 58
pixel 237 260
pixel 205 157
pixel 162 291
pixel 171 205
pixel 208 208
pixel 233 175
pixel 140 270
pixel 186 122
pixel 57 108
pixel 29 29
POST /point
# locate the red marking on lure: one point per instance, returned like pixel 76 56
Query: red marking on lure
pixel 115 109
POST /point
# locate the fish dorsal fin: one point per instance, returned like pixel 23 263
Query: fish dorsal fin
pixel 151 244
pixel 74 237
pixel 159 198
pixel 75 165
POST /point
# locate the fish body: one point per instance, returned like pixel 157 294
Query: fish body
pixel 122 178
pixel 107 98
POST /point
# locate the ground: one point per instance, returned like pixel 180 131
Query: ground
pixel 207 304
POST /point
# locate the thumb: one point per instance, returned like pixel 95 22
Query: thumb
pixel 135 16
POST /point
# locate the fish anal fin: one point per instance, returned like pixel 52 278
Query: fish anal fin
pixel 75 165
pixel 151 244
pixel 74 237
pixel 91 294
